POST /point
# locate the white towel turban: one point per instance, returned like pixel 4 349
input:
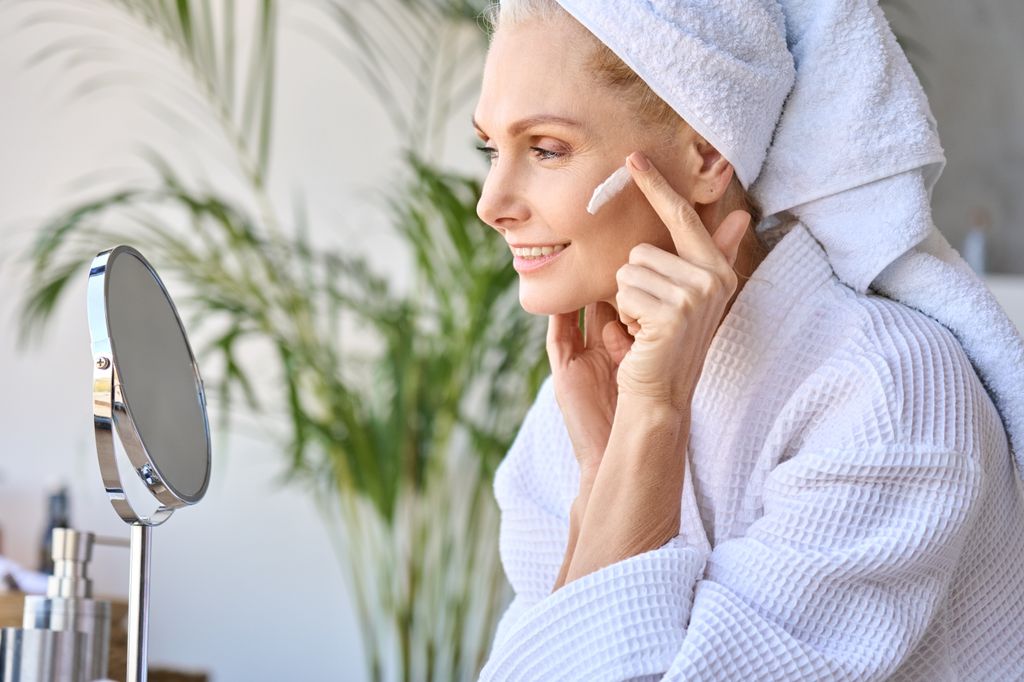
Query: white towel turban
pixel 821 115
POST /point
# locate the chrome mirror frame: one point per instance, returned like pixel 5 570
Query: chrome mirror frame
pixel 112 409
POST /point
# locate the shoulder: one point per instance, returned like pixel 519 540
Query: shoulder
pixel 895 374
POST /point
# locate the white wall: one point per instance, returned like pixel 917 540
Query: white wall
pixel 969 60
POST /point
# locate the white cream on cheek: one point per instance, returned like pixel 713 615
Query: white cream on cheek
pixel 608 189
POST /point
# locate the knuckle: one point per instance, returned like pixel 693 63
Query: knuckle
pixel 680 213
pixel 707 282
pixel 654 180
pixel 727 276
pixel 683 212
pixel 680 299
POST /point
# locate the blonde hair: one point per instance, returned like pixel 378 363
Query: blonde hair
pixel 614 73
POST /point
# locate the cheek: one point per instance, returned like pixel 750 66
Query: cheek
pixel 601 245
pixel 621 224
pixel 641 221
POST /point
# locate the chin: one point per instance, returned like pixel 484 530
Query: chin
pixel 540 303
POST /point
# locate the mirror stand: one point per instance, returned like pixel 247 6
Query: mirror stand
pixel 146 383
pixel 138 601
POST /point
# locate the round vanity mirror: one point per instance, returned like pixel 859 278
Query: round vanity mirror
pixel 146 389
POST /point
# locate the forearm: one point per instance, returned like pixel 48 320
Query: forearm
pixel 579 505
pixel 634 502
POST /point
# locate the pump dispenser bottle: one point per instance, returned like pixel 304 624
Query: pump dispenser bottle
pixel 66 634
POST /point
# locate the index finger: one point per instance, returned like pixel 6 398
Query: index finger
pixel 690 236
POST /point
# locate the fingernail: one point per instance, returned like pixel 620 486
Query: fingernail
pixel 639 161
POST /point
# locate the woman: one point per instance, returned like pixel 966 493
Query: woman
pixel 745 468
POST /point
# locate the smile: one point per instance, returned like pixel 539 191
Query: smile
pixel 528 263
pixel 534 251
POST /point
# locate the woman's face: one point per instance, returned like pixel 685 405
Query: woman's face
pixel 543 172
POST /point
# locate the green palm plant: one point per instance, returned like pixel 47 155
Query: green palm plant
pixel 398 443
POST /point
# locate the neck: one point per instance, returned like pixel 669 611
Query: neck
pixel 751 252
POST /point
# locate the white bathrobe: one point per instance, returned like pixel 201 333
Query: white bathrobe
pixel 849 510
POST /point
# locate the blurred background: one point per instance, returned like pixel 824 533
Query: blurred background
pixel 303 176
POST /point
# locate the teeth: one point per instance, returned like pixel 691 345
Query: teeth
pixel 536 251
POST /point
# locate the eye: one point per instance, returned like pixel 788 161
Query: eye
pixel 543 154
pixel 547 154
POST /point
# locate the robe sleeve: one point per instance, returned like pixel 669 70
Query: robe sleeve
pixel 837 580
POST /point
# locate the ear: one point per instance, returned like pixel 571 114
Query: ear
pixel 713 175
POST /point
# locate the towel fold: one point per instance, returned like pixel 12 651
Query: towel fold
pixel 823 118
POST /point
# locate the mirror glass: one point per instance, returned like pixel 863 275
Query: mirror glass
pixel 159 382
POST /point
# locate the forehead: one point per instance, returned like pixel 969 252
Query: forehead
pixel 539 67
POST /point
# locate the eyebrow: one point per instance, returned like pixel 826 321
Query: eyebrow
pixel 519 126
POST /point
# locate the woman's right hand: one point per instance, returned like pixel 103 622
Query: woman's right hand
pixel 584 376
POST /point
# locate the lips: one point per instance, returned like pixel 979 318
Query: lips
pixel 535 250
pixel 525 265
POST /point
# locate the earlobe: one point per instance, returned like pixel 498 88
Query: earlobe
pixel 721 176
pixel 715 173
pixel 709 190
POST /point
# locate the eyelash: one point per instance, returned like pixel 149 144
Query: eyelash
pixel 546 153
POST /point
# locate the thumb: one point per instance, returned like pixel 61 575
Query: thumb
pixel 730 233
pixel 617 340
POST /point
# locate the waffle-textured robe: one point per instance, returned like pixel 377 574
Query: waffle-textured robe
pixel 850 510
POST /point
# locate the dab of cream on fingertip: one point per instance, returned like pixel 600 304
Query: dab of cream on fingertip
pixel 608 189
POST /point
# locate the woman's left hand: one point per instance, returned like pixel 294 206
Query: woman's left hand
pixel 672 303
pixel 583 371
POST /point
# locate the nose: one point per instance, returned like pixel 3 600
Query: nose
pixel 501 204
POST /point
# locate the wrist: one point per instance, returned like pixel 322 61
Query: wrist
pixel 648 440
pixel 579 504
pixel 677 398
pixel 588 474
pixel 641 413
pixel 588 457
